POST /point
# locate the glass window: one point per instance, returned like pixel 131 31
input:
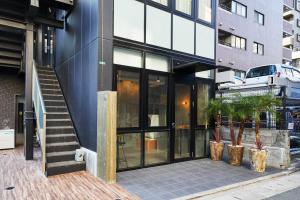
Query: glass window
pixel 163 2
pixel 157 100
pixel 129 19
pixel 204 10
pixel 184 6
pixel 203 95
pixel 205 45
pixel 233 7
pixel 158 27
pixel 157 63
pixel 238 9
pixel 129 150
pixel 128 93
pixel 210 74
pixel 127 57
pixel 255 47
pixel 183 28
pixel 259 17
pixel 238 42
pixel 156 147
pixel 262 71
pixel 258 48
pixel 201 136
pixel 243 43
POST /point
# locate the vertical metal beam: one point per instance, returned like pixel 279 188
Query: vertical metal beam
pixel 29 117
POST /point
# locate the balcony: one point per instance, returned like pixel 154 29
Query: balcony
pixel 289 3
pixel 287 41
pixel 296 55
pixel 287 53
pixel 287 27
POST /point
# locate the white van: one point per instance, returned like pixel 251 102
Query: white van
pixel 260 75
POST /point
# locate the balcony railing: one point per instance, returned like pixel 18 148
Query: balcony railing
pixel 225 43
pixel 225 7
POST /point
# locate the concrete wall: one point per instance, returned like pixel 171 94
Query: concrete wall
pixel 77 53
pixel 10 85
pixel 270 34
pixel 276 143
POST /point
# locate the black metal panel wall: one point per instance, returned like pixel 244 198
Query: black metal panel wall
pixel 77 52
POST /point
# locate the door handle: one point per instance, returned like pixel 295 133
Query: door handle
pixel 173 125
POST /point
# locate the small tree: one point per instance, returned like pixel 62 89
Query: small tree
pixel 265 103
pixel 229 109
pixel 214 109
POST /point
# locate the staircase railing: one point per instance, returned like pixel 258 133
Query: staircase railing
pixel 40 113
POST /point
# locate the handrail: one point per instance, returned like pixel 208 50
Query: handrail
pixel 40 113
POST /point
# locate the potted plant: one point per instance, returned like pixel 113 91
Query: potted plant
pixel 265 103
pixel 213 109
pixel 239 109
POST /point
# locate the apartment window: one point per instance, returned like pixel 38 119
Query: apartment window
pixel 259 17
pixel 184 6
pixel 238 8
pixel 238 42
pixel 163 2
pixel 298 38
pixel 298 23
pixel 258 48
pixel 204 10
pixel 298 5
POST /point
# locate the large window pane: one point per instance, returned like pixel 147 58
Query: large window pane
pixel 157 63
pixel 200 142
pixel 156 147
pixel 129 150
pixel 158 30
pixel 157 100
pixel 204 10
pixel 129 19
pixel 183 35
pixel 205 38
pixel 127 57
pixel 203 95
pixel 184 6
pixel 128 87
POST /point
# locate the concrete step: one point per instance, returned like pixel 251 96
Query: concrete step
pixel 60 156
pixel 48 81
pixel 62 146
pixel 53 97
pixel 45 69
pixel 47 76
pixel 51 91
pixel 50 86
pixel 58 115
pixel 55 138
pixel 45 72
pixel 54 103
pixel 58 122
pixel 56 109
pixel 64 167
pixel 59 130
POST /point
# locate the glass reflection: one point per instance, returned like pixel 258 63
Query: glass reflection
pixel 156 147
pixel 202 101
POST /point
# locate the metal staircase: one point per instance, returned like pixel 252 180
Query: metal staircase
pixel 60 141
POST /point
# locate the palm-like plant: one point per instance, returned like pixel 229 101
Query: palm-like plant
pixel 229 109
pixel 265 103
pixel 214 109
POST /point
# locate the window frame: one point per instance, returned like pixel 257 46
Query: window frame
pixel 183 14
pixel 197 4
pixel 257 48
pixel 235 11
pixel 256 17
pixel 240 43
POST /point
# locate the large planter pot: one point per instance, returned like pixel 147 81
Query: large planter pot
pixel 258 159
pixel 235 154
pixel 216 150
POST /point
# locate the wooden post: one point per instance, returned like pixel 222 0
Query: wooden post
pixel 107 136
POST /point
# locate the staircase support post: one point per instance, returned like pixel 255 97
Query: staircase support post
pixel 107 136
pixel 29 116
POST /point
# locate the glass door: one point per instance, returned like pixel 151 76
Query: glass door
pixel 182 125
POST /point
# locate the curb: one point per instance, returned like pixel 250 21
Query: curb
pixel 239 184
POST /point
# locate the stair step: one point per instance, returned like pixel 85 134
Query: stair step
pixel 54 103
pixel 60 129
pixel 56 109
pixel 60 156
pixel 53 97
pixel 51 91
pixel 61 146
pixel 48 81
pixel 58 122
pixel 55 138
pixel 64 167
pixel 58 115
pixel 47 76
pixel 45 69
pixel 49 86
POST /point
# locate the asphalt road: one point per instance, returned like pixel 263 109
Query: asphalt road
pixel 293 194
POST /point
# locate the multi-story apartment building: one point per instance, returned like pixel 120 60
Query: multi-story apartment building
pixel 291 32
pixel 249 33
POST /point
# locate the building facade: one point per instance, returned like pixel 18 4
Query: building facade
pixel 159 55
pixel 249 33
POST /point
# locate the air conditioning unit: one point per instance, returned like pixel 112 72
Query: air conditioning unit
pixel 225 77
pixel 7 139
